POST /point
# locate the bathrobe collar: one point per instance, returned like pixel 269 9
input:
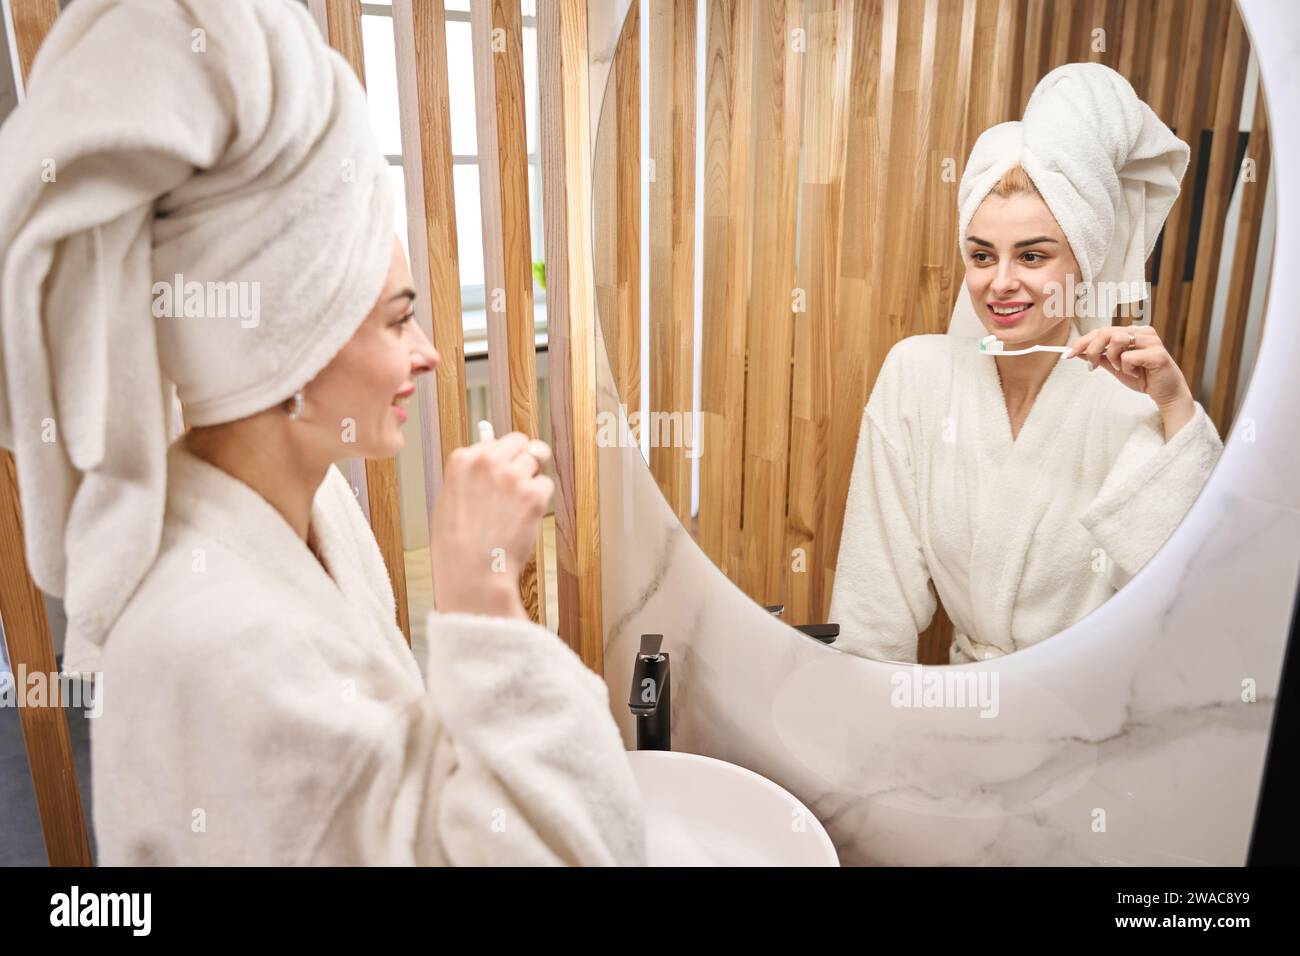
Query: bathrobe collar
pixel 1001 535
pixel 351 593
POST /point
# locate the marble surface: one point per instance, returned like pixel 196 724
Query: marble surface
pixel 1137 736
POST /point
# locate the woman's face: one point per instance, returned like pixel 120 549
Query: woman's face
pixel 1017 264
pixel 356 403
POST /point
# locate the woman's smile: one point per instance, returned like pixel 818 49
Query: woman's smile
pixel 1007 314
pixel 401 397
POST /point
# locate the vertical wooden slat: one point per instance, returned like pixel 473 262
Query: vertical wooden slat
pixel 566 181
pixel 826 74
pixel 497 30
pixel 778 71
pixel 22 607
pixel 728 215
pixel 1167 32
pixel 1037 44
pixel 616 197
pixel 420 34
pixel 672 246
pixel 1218 194
pixel 860 346
pixel 340 21
pixel 1169 303
pixel 1242 280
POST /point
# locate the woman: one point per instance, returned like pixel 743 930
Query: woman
pixel 259 703
pixel 1029 488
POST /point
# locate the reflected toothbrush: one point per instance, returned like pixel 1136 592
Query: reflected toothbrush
pixel 992 345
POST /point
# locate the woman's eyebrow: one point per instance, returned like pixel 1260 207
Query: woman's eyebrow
pixel 408 293
pixel 1019 245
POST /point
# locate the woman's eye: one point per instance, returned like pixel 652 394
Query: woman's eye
pixel 1033 257
pixel 404 319
pixel 980 256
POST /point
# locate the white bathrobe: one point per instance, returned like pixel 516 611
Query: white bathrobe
pixel 1020 538
pixel 257 710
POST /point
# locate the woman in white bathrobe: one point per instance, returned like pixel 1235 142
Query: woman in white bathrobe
pixel 259 703
pixel 268 709
pixel 1023 491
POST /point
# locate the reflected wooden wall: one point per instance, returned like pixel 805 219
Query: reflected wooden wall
pixel 834 138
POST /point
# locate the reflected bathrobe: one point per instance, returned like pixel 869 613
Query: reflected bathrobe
pixel 257 710
pixel 1020 538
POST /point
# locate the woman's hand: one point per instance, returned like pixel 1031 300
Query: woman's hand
pixel 1145 367
pixel 484 526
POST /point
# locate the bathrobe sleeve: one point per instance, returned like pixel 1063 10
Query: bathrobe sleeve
pixel 286 744
pixel 882 598
pixel 510 759
pixel 1149 490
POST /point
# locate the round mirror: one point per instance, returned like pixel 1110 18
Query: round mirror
pixel 931 394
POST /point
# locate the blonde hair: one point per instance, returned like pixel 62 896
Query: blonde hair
pixel 1014 182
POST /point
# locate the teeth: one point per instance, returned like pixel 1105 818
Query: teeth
pixel 1010 310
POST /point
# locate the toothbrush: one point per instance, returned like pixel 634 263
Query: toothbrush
pixel 992 345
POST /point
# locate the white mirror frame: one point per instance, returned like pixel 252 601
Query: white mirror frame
pixel 1129 738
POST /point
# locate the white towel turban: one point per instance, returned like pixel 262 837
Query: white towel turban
pixel 1106 166
pixel 221 141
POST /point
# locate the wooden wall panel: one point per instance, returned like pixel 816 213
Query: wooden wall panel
pixel 496 27
pixel 617 201
pixel 672 245
pixel 778 84
pixel 566 181
pixel 728 214
pixel 420 35
pixel 1221 177
pixel 1242 280
pixel 826 74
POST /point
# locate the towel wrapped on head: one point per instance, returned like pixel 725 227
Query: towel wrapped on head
pixel 1106 166
pixel 192 194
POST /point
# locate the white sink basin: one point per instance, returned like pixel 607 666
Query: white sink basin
pixel 706 812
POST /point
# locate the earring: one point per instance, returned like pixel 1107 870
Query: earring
pixel 295 413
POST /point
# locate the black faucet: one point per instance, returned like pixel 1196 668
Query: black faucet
pixel 826 633
pixel 650 701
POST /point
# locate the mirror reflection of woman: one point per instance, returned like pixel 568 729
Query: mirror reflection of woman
pixel 1024 490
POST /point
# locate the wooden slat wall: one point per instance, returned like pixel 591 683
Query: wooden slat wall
pixel 617 194
pixel 341 25
pixel 497 30
pixel 420 35
pixel 672 242
pixel 1254 191
pixel 826 85
pixel 864 136
pixel 571 320
pixel 27 635
pixel 778 101
pixel 728 212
